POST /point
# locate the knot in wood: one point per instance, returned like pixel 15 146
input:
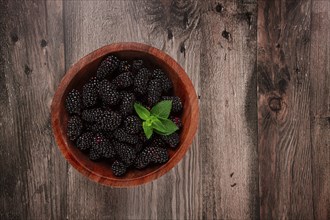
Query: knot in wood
pixel 219 8
pixel 275 104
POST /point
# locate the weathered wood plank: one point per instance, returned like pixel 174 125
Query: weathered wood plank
pixel 228 110
pixel 320 107
pixel 172 28
pixel 284 139
pixel 33 173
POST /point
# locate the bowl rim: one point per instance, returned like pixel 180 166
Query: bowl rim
pixel 63 145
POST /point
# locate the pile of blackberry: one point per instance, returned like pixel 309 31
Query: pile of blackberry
pixel 104 124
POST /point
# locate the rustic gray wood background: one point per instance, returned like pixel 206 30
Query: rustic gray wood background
pixel 262 73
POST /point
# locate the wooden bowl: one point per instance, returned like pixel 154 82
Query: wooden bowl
pixel 82 71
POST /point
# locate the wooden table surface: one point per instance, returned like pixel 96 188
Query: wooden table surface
pixel 262 73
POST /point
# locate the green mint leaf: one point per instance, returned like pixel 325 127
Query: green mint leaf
pixel 142 112
pixel 158 125
pixel 169 125
pixel 147 130
pixel 162 109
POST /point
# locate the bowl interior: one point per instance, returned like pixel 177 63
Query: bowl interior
pixel 102 169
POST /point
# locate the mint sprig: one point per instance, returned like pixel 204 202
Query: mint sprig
pixel 156 120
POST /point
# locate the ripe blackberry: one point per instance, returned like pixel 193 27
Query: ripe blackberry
pixel 133 124
pixel 84 142
pixel 121 135
pixel 127 104
pixel 137 64
pixel 139 146
pixel 156 154
pixel 73 102
pixel 142 99
pixel 176 103
pixel 125 152
pixel 89 95
pixel 108 151
pixel 142 137
pixel 145 71
pixel 176 121
pixel 110 121
pixel 108 93
pixel 157 141
pixel 95 154
pixel 92 115
pixel 107 66
pixel 99 143
pixel 173 139
pixel 124 80
pixel 74 127
pixel 141 81
pixel 124 66
pixel 88 126
pixel 108 135
pixel 154 92
pixel 165 81
pixel 93 127
pixel 142 160
pixel 118 168
pixel 95 82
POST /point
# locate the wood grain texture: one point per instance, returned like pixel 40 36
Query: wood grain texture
pixel 228 111
pixel 92 24
pixel 284 146
pixel 320 108
pixel 33 173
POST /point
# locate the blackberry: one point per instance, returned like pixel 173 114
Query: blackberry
pixel 156 154
pixel 110 121
pixel 139 146
pixel 84 142
pixel 121 135
pixel 95 82
pixel 89 95
pixel 93 127
pixel 92 115
pixel 118 168
pixel 124 80
pixel 127 104
pixel 73 102
pixel 176 121
pixel 108 93
pixel 142 137
pixel 154 92
pixel 176 103
pixel 88 126
pixel 173 139
pixel 133 124
pixel 137 64
pixel 125 152
pixel 142 160
pixel 98 146
pixel 108 151
pixel 95 154
pixel 141 81
pixel 124 66
pixel 145 71
pixel 74 127
pixel 107 66
pixel 165 81
pixel 157 141
pixel 144 102
pixel 108 135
